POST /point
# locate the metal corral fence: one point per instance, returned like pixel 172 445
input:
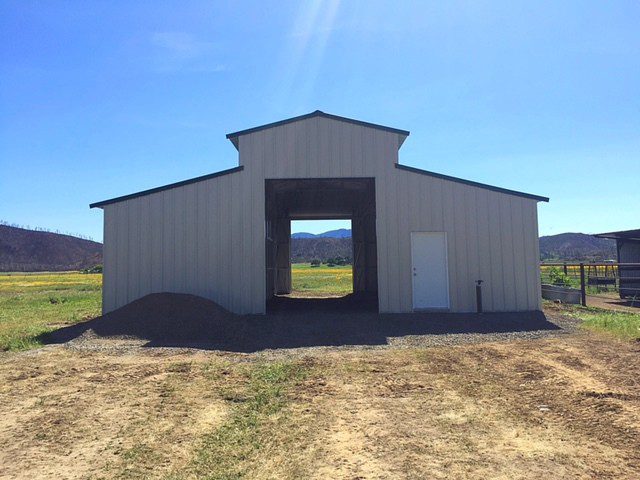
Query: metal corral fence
pixel 576 282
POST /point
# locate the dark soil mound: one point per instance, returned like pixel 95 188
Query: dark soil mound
pixel 161 318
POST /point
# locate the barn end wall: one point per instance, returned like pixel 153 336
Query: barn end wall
pixel 208 238
pixel 205 239
pixel 491 237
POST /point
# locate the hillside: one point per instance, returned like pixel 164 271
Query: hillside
pixel 320 248
pixel 31 251
pixel 339 233
pixel 576 246
pixel 565 246
pixel 23 250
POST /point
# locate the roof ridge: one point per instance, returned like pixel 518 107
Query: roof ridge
pixel 316 113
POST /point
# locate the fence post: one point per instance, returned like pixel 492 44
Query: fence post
pixel 583 287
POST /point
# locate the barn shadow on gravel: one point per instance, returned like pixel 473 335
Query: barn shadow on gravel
pixel 176 320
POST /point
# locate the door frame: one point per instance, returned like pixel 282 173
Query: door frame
pixel 446 260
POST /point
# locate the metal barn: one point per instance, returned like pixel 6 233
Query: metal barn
pixel 421 240
pixel 628 248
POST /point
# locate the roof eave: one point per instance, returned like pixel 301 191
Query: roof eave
pixel 485 186
pixel 166 187
pixel 620 235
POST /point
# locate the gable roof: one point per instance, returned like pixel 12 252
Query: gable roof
pixel 234 136
pixel 472 183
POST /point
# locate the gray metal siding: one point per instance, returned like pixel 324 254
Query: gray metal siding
pixel 189 239
pixel 491 236
pixel 207 238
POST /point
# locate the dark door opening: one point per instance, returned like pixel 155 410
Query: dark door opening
pixel 345 199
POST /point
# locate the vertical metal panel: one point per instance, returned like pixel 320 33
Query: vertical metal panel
pixel 121 212
pixel 109 259
pixel 483 249
pixel 449 227
pixel 156 220
pixel 472 240
pixel 507 255
pixel 519 267
pixel 495 252
pixel 533 261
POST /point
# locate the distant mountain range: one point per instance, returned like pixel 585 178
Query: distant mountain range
pixel 31 250
pixel 565 246
pixel 577 246
pixel 340 233
pixel 304 250
pixel 23 250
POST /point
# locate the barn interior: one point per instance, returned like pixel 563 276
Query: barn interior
pixel 320 199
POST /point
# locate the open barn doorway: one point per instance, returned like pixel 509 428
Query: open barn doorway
pixel 321 258
pixel 348 200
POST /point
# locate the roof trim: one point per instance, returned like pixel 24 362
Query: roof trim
pixel 621 235
pixel 167 187
pixel 471 183
pixel 234 136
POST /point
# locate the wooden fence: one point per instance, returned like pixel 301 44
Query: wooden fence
pixel 606 280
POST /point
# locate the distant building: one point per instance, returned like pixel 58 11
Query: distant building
pixel 421 239
pixel 628 246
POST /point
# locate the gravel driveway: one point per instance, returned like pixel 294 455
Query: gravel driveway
pixel 184 321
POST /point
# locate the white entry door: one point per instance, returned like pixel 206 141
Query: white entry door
pixel 429 270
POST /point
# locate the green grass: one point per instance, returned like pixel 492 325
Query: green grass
pixel 321 280
pixel 227 452
pixel 621 324
pixel 625 325
pixel 33 304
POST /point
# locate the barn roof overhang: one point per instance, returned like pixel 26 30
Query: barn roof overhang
pixel 402 134
pixel 166 187
pixel 419 171
pixel 633 235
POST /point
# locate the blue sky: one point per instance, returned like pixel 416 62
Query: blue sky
pixel 100 99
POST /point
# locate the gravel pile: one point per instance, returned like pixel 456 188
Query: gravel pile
pixel 188 322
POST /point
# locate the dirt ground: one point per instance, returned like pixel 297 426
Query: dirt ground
pixel 558 407
pixel 613 302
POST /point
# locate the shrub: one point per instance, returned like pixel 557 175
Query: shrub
pixel 94 269
pixel 558 277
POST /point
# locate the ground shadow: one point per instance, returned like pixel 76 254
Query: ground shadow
pixel 174 324
pixel 349 303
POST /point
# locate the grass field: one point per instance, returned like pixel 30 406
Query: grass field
pixel 32 304
pixel 321 280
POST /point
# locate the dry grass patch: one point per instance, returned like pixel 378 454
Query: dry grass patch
pixel 562 407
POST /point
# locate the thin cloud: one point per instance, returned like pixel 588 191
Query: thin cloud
pixel 182 51
pixel 180 45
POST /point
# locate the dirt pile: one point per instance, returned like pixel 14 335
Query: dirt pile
pixel 162 319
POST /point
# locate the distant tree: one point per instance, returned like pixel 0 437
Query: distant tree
pixel 94 269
